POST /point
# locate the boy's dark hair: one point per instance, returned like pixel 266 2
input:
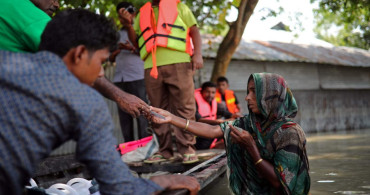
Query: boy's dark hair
pixel 208 84
pixel 74 27
pixel 222 79
pixel 130 8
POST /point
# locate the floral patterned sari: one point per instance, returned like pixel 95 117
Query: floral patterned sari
pixel 279 140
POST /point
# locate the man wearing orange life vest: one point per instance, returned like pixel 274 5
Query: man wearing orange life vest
pixel 227 97
pixel 207 111
pixel 166 31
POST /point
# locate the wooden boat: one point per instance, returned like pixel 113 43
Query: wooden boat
pixel 61 169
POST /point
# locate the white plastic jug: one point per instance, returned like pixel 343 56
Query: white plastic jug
pixel 94 189
pixel 32 184
pixel 80 185
pixel 61 189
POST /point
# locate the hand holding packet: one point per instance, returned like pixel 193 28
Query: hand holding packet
pixel 157 115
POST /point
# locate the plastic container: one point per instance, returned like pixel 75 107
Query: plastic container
pixel 32 188
pixel 94 190
pixel 32 184
pixel 133 145
pixel 61 189
pixel 80 185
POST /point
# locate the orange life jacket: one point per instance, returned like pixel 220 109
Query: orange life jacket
pixel 204 108
pixel 169 31
pixel 229 99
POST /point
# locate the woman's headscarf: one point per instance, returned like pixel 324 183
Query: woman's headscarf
pixel 275 102
pixel 277 106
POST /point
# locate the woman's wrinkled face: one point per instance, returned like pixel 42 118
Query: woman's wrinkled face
pixel 251 98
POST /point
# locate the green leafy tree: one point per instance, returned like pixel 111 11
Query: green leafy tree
pixel 106 7
pixel 233 37
pixel 211 16
pixel 350 18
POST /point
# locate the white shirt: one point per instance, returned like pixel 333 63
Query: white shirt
pixel 130 67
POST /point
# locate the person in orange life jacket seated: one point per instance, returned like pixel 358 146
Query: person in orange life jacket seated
pixel 164 32
pixel 226 97
pixel 207 111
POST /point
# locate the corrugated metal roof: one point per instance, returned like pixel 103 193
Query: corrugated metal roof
pixel 290 52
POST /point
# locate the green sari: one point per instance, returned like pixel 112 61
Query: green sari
pixel 279 140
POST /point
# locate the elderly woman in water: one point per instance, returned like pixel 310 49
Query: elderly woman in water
pixel 266 149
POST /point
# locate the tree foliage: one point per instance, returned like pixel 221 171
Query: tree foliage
pixel 106 7
pixel 211 15
pixel 233 37
pixel 350 17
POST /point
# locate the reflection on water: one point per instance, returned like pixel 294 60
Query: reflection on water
pixel 339 163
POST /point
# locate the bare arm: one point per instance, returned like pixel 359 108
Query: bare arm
pixel 197 58
pixel 125 46
pixel 132 36
pixel 211 122
pixel 130 103
pixel 238 107
pixel 112 57
pixel 197 128
pixel 127 21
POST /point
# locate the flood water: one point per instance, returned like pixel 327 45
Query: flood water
pixel 339 164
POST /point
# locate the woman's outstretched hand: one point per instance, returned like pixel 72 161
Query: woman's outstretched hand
pixel 156 115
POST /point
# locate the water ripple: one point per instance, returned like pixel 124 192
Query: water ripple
pixel 349 192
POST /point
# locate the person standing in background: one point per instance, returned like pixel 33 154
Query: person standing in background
pixel 129 76
pixel 165 31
